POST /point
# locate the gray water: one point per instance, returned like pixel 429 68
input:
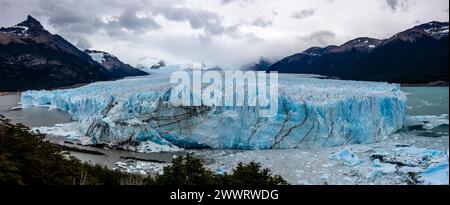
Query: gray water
pixel 427 100
pixel 31 117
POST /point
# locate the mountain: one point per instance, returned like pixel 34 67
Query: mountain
pixel 33 58
pixel 417 55
pixel 150 63
pixel 116 67
pixel 261 65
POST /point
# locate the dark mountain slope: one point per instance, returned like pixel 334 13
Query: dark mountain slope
pixel 417 55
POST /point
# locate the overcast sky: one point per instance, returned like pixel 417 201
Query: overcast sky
pixel 221 32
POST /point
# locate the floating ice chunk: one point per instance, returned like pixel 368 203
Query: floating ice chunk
pixel 68 130
pixel 427 121
pixel 347 157
pixel 420 152
pixel 408 156
pixel 149 146
pixel 121 165
pixel 324 176
pixel 381 169
pixel 436 174
pixel 406 170
pixel 139 167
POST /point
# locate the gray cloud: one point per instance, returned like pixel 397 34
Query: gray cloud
pixel 83 43
pixel 261 22
pixel 319 38
pixel 83 20
pixel 392 4
pixel 227 1
pixel 73 17
pixel 209 22
pixel 5 4
pixel 68 19
pixel 129 20
pixel 186 30
pixel 303 13
pixel 395 5
pixel 231 1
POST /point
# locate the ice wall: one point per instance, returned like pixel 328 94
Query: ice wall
pixel 311 112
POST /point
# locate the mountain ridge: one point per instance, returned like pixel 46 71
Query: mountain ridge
pixel 113 64
pixel 33 58
pixel 416 55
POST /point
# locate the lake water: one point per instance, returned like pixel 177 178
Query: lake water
pixel 427 100
pixel 31 117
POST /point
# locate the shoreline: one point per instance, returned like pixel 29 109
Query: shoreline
pixel 430 84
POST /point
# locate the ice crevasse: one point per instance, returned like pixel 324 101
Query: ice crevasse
pixel 311 112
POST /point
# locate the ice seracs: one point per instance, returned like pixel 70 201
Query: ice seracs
pixel 311 112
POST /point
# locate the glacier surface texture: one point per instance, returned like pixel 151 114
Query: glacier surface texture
pixel 311 112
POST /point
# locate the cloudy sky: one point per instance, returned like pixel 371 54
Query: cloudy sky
pixel 222 32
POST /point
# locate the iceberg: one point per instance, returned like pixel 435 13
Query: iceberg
pixel 347 157
pixel 311 113
pixel 379 169
pixel 436 174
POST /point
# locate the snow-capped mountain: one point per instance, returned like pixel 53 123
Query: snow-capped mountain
pixel 416 55
pixel 113 64
pixel 363 44
pixel 150 63
pixel 435 30
pixel 262 64
pixel 33 58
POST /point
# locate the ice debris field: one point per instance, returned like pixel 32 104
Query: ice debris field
pixel 400 159
pixel 136 113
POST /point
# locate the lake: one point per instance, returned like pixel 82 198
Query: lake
pixel 31 117
pixel 427 100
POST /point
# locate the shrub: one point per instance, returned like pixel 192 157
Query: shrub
pixel 252 174
pixel 25 158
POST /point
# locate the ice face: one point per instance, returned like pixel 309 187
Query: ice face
pixel 311 112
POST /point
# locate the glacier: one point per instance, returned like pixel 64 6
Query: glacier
pixel 311 113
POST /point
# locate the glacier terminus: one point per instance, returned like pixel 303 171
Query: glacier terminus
pixel 136 112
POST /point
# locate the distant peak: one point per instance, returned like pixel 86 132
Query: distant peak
pixel 30 18
pixel 314 51
pixel 31 23
pixel 93 51
pixel 263 59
